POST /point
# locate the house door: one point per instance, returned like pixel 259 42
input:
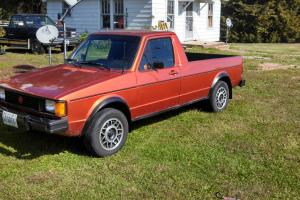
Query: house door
pixel 189 21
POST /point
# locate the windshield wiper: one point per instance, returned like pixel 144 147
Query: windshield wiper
pixel 73 61
pixel 99 65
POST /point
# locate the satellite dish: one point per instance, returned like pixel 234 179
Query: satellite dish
pixel 46 34
pixel 71 2
pixel 229 22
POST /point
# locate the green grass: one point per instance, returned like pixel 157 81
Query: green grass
pixel 250 150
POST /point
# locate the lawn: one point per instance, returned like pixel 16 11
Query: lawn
pixel 250 151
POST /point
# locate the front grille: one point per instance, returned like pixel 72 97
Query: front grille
pixel 61 34
pixel 24 100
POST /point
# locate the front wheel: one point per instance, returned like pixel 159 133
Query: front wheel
pixel 219 97
pixel 107 133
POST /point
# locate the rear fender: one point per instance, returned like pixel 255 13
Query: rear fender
pixel 223 76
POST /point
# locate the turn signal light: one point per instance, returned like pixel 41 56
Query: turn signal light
pixel 60 109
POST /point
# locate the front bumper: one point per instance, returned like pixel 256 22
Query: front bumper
pixel 30 122
pixel 71 41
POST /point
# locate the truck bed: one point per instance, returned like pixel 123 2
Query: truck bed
pixel 204 56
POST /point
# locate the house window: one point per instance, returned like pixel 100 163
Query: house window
pixel 106 13
pixel 65 7
pixel 170 11
pixel 210 15
pixel 119 14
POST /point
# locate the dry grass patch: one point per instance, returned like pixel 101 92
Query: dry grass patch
pixel 274 66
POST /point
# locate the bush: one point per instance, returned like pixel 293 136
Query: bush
pixel 262 21
pixel 84 36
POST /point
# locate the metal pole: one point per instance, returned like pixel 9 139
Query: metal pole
pixel 227 34
pixel 62 19
pixel 50 55
pixel 65 40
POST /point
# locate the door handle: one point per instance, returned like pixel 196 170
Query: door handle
pixel 173 73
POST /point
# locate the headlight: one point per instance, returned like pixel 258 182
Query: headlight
pixel 2 94
pixel 50 106
pixel 57 108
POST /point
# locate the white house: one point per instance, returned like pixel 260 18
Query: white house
pixel 190 19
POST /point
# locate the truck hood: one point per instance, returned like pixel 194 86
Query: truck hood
pixel 58 81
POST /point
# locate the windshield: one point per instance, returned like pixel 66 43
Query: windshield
pixel 110 51
pixel 38 21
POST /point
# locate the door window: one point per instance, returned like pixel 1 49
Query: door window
pixel 158 54
pixel 17 22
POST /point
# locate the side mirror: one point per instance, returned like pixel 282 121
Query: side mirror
pixel 147 66
pixel 158 65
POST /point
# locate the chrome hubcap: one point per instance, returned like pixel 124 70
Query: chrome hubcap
pixel 111 134
pixel 221 97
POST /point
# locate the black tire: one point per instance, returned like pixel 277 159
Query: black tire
pixel 37 47
pixel 2 50
pixel 103 145
pixel 69 48
pixel 219 97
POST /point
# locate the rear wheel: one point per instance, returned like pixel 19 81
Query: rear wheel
pixel 107 133
pixel 37 47
pixel 69 48
pixel 219 97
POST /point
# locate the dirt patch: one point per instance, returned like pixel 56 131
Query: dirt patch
pixel 41 177
pixel 6 73
pixel 295 78
pixel 21 69
pixel 256 58
pixel 274 66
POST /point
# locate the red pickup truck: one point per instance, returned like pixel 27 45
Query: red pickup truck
pixel 113 79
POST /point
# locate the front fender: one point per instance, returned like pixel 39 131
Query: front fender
pixel 103 103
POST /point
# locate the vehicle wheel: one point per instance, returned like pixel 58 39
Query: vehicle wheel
pixel 2 50
pixel 69 48
pixel 37 47
pixel 107 133
pixel 219 97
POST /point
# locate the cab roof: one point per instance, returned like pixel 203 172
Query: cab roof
pixel 139 33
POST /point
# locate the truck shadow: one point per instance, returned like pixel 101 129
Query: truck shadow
pixel 31 145
pixel 201 106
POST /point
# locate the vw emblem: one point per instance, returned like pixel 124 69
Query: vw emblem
pixel 21 100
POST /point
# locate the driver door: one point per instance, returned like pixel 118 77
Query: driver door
pixel 157 77
pixel 17 28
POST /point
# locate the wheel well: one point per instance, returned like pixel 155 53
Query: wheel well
pixel 227 80
pixel 121 107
